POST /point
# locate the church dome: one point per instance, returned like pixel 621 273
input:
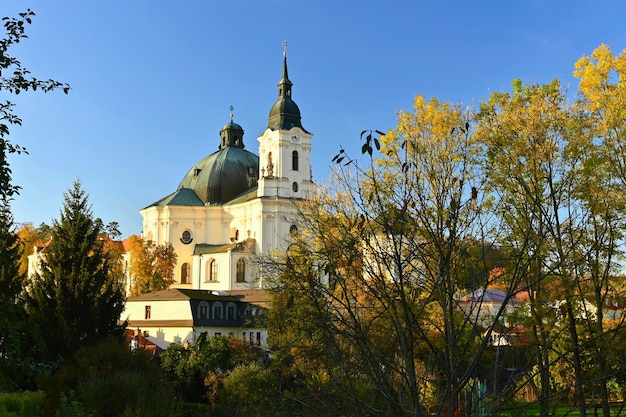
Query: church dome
pixel 226 173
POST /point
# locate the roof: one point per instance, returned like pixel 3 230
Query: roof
pixel 487 295
pixel 174 294
pixel 205 248
pixel 222 175
pixel 246 196
pixel 180 197
pixel 285 113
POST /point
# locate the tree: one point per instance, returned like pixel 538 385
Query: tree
pixel 198 371
pixel 151 266
pixel 12 348
pixel 74 300
pixel 368 291
pixel 19 80
pixel 602 100
pixel 555 172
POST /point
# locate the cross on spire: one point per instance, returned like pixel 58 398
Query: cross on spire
pixel 285 48
pixel 231 113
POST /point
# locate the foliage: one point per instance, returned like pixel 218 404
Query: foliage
pixel 197 371
pixel 11 317
pixel 19 80
pixel 525 196
pixel 151 266
pixel 251 390
pixel 21 404
pixel 74 300
pixel 110 380
pixel 14 78
pixel 365 315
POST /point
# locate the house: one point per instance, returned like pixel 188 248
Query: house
pixel 487 306
pixel 179 315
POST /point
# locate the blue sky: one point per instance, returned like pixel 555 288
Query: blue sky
pixel 152 81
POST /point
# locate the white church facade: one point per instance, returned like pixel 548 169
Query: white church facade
pixel 229 208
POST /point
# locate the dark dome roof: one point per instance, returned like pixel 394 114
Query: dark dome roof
pixel 232 126
pixel 285 113
pixel 223 175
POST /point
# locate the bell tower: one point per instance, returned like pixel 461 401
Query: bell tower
pixel 285 147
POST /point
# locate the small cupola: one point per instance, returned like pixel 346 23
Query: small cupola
pixel 231 134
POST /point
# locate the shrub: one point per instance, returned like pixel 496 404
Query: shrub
pixel 21 404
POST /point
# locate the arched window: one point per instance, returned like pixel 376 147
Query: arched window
pixel 203 310
pixel 231 311
pixel 185 273
pixel 241 270
pixel 218 311
pixel 212 270
pixel 294 160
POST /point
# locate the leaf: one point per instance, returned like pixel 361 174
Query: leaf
pixel 377 144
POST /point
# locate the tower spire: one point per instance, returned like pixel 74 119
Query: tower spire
pixel 284 85
pixel 285 113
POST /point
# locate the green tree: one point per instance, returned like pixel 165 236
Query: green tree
pixel 151 266
pixel 108 380
pixel 74 300
pixel 19 80
pixel 14 78
pixel 12 343
pixel 197 371
pixel 251 390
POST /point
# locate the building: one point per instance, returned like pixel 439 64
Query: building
pixel 229 208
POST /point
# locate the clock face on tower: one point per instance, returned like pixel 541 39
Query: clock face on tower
pixel 295 138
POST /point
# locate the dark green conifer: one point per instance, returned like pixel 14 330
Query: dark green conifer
pixel 74 300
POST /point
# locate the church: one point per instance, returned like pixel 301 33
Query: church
pixel 230 207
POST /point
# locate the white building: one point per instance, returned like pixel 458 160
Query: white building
pixel 229 207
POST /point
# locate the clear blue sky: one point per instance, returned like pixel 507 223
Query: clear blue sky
pixel 152 81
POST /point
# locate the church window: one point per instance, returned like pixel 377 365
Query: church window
pixel 234 234
pixel 148 311
pixel 218 311
pixel 258 338
pixel 241 270
pixel 294 160
pixel 293 229
pixel 185 273
pixel 186 237
pixel 294 187
pixel 212 270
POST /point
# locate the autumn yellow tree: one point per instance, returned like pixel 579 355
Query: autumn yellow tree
pixel 602 99
pixel 379 262
pixel 151 266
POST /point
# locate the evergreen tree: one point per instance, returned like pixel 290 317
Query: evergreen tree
pixel 74 300
pixel 11 340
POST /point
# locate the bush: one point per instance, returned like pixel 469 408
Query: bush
pixel 21 404
pixel 110 381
